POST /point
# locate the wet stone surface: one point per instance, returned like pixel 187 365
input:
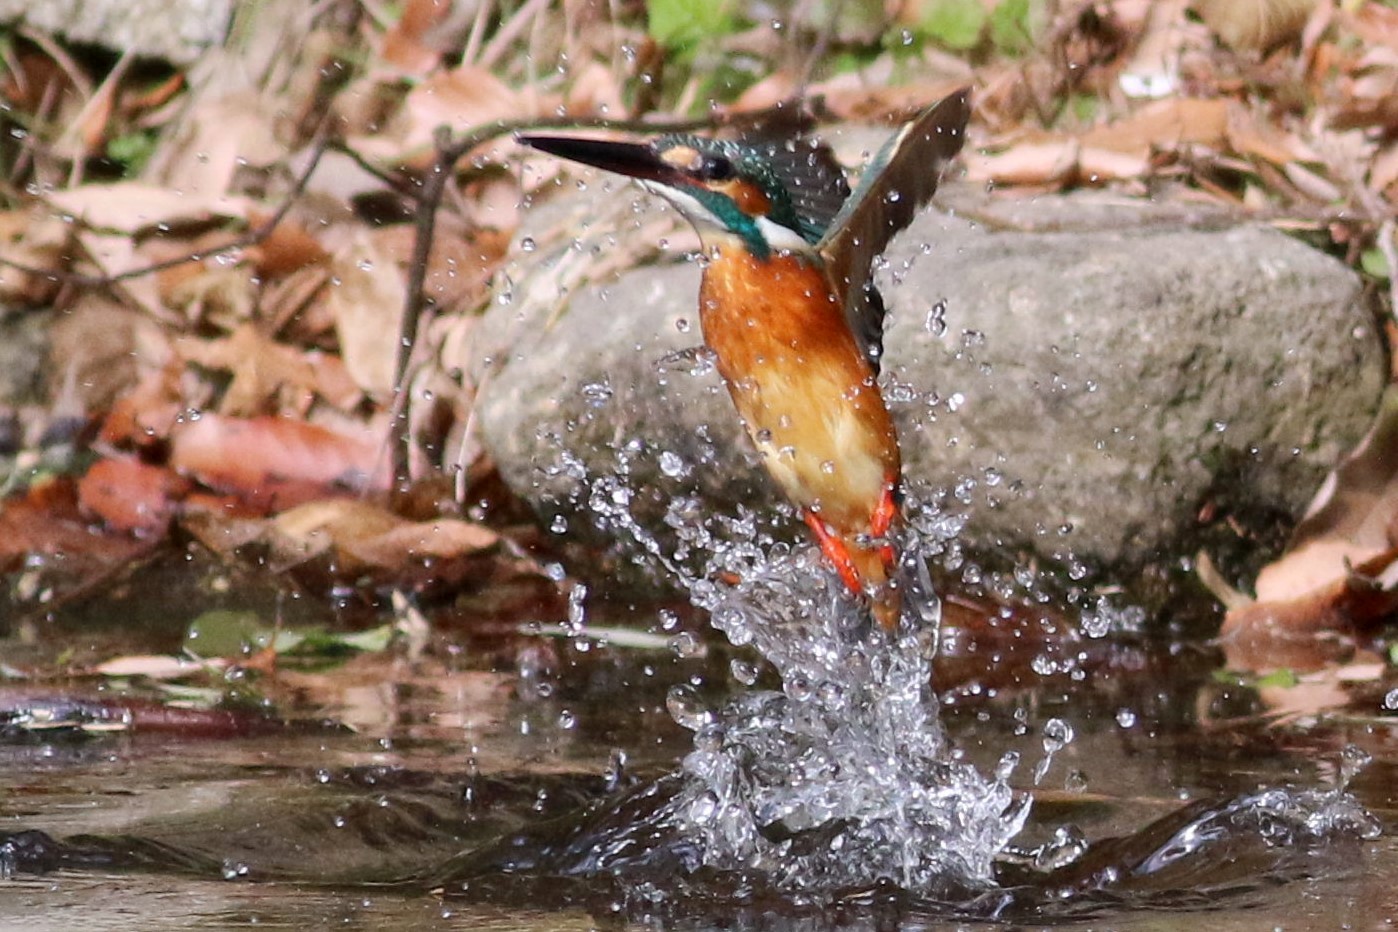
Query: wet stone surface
pixel 1082 394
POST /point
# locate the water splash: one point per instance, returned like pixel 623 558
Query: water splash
pixel 845 776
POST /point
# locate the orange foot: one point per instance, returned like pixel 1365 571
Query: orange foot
pixel 882 522
pixel 835 551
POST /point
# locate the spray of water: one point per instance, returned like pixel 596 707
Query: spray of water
pixel 844 776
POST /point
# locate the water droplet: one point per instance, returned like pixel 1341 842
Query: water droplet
pixel 687 708
pixel 1126 718
pixel 936 323
pixel 577 612
pixel 1353 759
pixel 683 325
pixel 528 244
pixel 687 645
pixel 233 870
pixel 672 464
pixel 743 671
pixel 1067 846
pixel 596 394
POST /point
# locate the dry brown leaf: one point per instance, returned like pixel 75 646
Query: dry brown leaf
pixel 408 45
pixel 145 415
pixel 443 539
pixel 45 520
pixel 596 88
pixel 367 302
pixel 1357 602
pixel 1383 172
pixel 493 202
pixel 1164 124
pixel 1043 161
pixel 222 296
pixel 461 98
pixel 157 666
pixel 1374 23
pixel 273 463
pixel 459 266
pixel 1099 166
pixel 132 206
pixel 1340 575
pixel 1248 135
pixel 368 536
pixel 217 139
pixel 294 306
pixel 104 349
pixel 775 88
pixel 33 238
pixel 1351 519
pixel 268 377
pixel 289 247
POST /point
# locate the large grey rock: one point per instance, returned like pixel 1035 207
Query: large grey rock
pixel 1083 393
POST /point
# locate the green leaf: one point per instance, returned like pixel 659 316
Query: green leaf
pixel 1375 263
pixel 1285 678
pixel 223 633
pixel 133 150
pixel 226 633
pixel 1015 25
pixel 1084 107
pixel 680 24
pixel 956 24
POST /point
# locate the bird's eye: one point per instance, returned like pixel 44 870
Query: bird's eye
pixel 716 168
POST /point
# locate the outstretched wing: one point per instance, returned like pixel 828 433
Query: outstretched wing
pixel 895 185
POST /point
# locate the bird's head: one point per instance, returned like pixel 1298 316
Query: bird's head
pixel 725 188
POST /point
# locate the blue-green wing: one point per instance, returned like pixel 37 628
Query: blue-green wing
pixel 895 186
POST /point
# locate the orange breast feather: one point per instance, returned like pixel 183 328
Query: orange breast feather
pixel 806 393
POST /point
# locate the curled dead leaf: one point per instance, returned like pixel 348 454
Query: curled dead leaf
pixel 362 536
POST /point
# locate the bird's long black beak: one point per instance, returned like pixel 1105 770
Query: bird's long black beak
pixel 634 160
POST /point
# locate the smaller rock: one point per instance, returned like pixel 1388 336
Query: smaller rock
pixel 178 31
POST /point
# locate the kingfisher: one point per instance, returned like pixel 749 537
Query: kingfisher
pixel 789 312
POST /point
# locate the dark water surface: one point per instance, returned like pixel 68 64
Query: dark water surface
pixel 472 798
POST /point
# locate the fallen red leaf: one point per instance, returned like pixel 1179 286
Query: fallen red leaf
pixel 46 521
pixel 273 463
pixel 129 495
